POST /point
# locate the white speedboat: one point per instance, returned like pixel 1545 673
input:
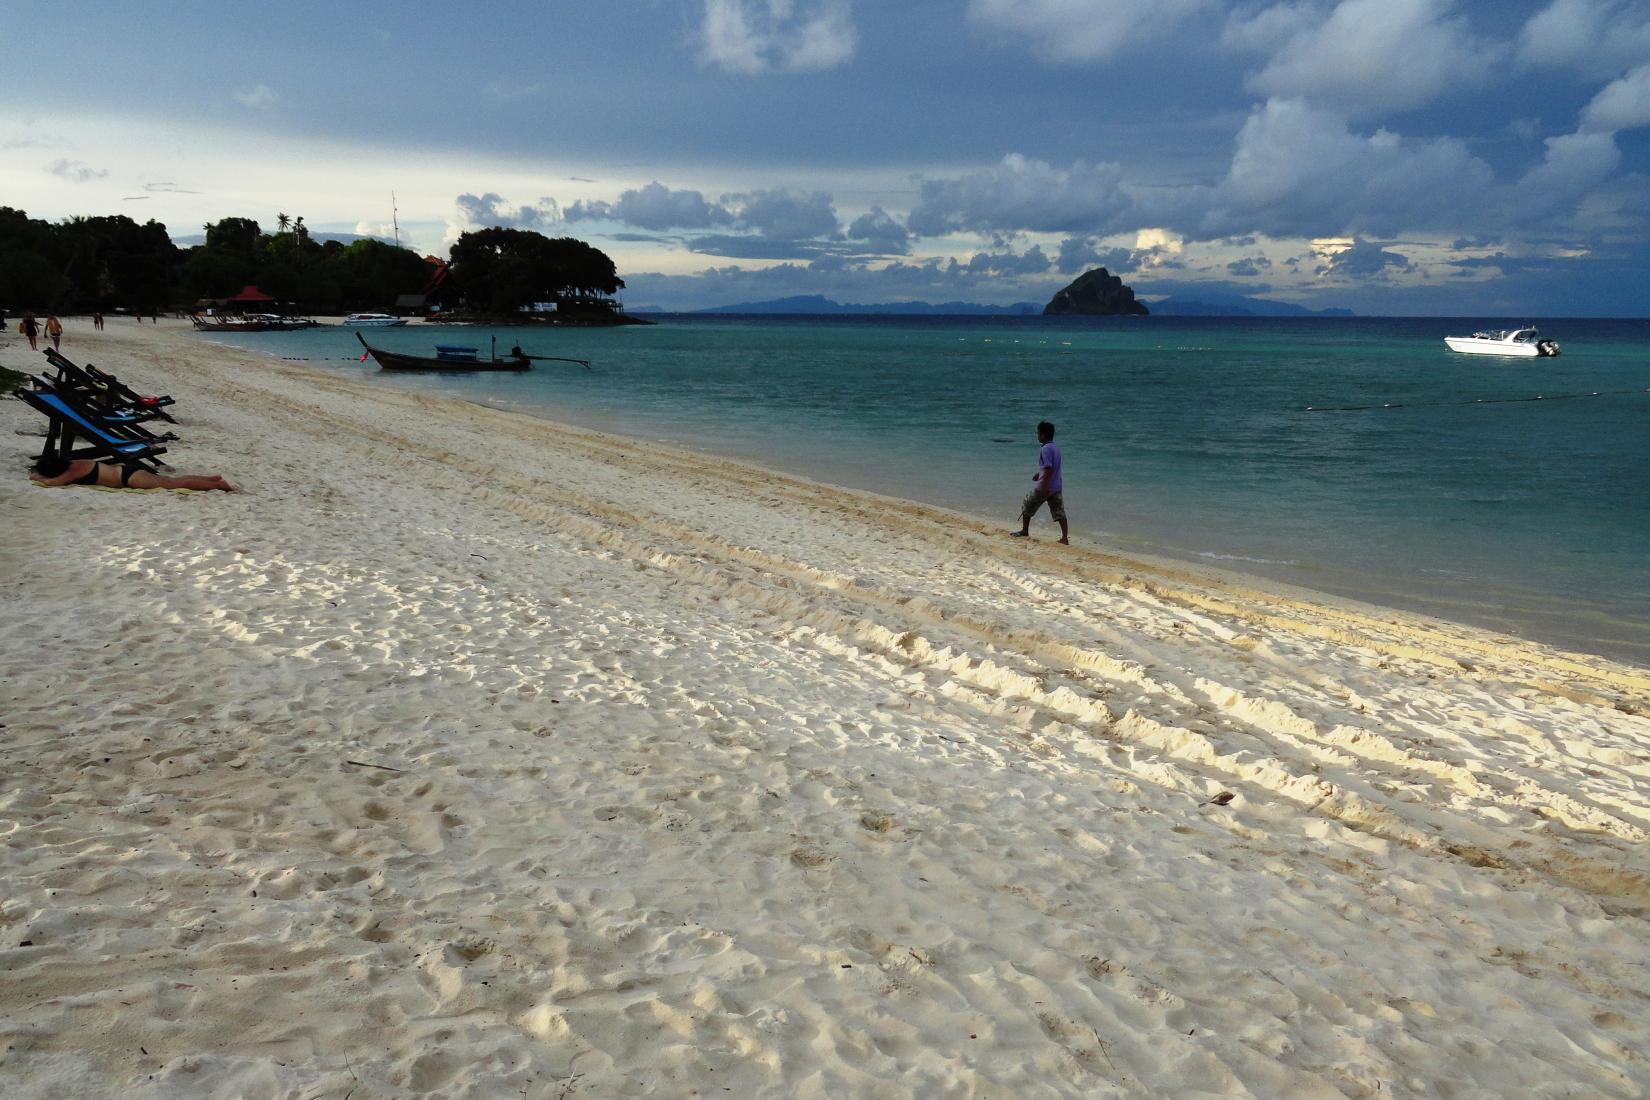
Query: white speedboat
pixel 372 320
pixel 1524 342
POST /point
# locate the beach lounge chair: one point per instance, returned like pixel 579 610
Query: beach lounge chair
pixel 103 390
pixel 70 420
pixel 121 421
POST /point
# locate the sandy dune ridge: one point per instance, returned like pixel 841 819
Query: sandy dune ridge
pixel 470 754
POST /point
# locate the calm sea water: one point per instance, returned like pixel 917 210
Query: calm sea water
pixel 1183 437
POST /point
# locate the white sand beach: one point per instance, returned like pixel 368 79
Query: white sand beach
pixel 467 754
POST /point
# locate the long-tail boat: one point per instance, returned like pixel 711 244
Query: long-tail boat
pixel 451 357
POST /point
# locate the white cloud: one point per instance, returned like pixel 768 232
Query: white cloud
pixel 1298 170
pixel 751 37
pixel 1019 194
pixel 1082 30
pixel 727 39
pixel 824 42
pixel 1264 30
pixel 259 97
pixel 1373 55
pixel 76 171
pixel 1623 104
pixel 507 90
pixel 1574 166
pixel 1597 37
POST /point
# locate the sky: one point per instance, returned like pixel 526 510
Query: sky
pixel 1406 157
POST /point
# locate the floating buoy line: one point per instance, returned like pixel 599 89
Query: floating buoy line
pixel 1476 401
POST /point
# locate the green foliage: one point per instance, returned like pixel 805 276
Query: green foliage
pixel 114 259
pixel 320 277
pixel 106 263
pixel 503 270
pixel 30 275
pixel 233 235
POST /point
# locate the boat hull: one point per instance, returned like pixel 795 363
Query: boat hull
pixel 392 360
pixel 1467 345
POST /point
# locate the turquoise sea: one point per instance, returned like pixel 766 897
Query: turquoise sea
pixel 1187 438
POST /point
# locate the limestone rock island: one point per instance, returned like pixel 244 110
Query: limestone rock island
pixel 1096 293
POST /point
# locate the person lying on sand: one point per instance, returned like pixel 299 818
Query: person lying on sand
pixel 87 471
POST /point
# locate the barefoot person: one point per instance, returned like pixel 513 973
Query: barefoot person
pixel 29 327
pixel 1046 486
pixel 87 471
pixel 54 330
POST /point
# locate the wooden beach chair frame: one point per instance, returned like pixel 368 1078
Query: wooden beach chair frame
pixel 103 390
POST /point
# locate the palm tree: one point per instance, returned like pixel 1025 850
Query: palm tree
pixel 299 234
pixel 282 221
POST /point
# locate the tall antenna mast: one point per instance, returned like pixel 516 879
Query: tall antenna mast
pixel 394 222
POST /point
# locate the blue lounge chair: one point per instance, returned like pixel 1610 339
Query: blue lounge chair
pixel 122 422
pixel 70 420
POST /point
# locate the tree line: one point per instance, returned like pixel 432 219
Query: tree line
pixel 106 263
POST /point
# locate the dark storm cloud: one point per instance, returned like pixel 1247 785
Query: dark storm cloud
pixel 1364 259
pixel 880 232
pixel 655 206
pixel 1081 253
pixel 1249 267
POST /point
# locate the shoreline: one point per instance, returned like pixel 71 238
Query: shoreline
pixel 484 754
pixel 1362 603
pixel 1580 613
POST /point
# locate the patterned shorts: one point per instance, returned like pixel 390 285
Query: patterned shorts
pixel 1056 506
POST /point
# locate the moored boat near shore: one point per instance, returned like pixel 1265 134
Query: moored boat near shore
pixel 249 322
pixel 373 320
pixel 451 357
pixel 1521 342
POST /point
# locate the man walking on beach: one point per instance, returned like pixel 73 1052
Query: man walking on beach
pixel 1046 487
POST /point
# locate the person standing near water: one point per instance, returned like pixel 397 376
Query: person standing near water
pixel 1046 487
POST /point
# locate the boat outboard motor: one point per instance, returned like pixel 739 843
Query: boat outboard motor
pixel 1547 347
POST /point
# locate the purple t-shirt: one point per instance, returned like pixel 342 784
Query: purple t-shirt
pixel 1049 457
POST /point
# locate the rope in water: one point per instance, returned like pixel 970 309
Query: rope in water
pixel 1476 401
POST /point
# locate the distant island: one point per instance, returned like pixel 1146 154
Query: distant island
pixel 1238 306
pixel 818 303
pixel 1095 293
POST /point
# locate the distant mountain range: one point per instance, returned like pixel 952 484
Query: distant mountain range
pixel 818 303
pixel 1211 305
pixel 1237 306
